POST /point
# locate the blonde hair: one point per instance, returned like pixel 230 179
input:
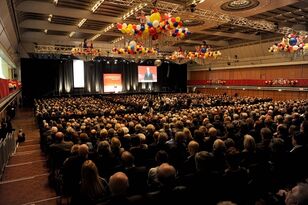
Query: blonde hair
pixel 91 183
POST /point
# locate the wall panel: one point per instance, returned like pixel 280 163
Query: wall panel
pixel 265 73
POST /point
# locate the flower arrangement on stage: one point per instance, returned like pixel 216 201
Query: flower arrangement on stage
pixel 154 25
pixel 281 82
pixel 291 43
pixel 134 49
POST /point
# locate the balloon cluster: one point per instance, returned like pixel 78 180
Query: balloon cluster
pixel 154 25
pixel 176 55
pixel 133 49
pixel 290 44
pixel 282 82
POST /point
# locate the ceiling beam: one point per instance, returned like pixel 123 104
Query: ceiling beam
pixel 49 8
pixel 231 35
pixel 209 42
pixel 42 38
pixel 39 24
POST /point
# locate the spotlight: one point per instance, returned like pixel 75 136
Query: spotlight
pixel 193 7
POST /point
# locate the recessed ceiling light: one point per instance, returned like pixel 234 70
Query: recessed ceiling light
pixel 45 31
pixel 71 34
pixel 96 5
pixel 81 22
pixel 49 17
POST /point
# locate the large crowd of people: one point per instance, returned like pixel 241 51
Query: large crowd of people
pixel 174 148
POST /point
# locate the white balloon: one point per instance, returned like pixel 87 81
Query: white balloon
pixel 155 24
pixel 132 43
pixel 138 27
pixel 124 25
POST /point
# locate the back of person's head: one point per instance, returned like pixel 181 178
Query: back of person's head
pixel 233 157
pixel 180 137
pixel 127 159
pixel 266 134
pixel 115 142
pixel 59 136
pixel 226 203
pixel 83 151
pixel 219 146
pixel 75 149
pixel 277 145
pixel 193 147
pixel 118 184
pixel 298 138
pixel 161 157
pixel 103 147
pixel 166 175
pixel 249 143
pixel 162 137
pixel 298 195
pixel 204 161
pixel 212 132
pixel 135 140
pixel 89 171
pixel 91 185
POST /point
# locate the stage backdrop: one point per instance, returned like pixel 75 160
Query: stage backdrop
pixel 56 77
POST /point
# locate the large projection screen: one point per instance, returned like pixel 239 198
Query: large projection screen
pixel 112 83
pixel 147 74
pixel 78 73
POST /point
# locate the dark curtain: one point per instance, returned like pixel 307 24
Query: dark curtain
pixel 55 77
pixel 66 78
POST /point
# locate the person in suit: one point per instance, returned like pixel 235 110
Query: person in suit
pixel 148 75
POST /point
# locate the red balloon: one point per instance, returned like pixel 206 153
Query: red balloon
pixel 134 26
pixel 173 19
pixel 119 26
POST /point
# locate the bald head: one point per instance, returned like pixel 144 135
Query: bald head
pixel 118 183
pixel 166 174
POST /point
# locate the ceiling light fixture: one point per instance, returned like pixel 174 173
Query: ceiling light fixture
pixel 71 34
pixel 134 10
pixel 55 2
pixel 49 17
pixel 96 36
pixel 81 22
pixel 96 5
pixel 45 31
pixel 118 39
pixel 108 27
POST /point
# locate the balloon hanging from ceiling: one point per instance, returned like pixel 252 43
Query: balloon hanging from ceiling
pixel 154 25
pixel 157 62
pixel 291 44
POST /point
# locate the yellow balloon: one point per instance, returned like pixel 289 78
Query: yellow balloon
pixel 123 30
pixel 155 16
pixel 178 19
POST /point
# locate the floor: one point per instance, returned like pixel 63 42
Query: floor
pixel 25 179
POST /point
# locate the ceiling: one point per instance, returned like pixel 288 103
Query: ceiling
pixel 221 23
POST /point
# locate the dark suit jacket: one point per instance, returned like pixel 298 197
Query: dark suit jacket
pixel 148 76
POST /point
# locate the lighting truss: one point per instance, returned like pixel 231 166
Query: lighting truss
pixel 60 50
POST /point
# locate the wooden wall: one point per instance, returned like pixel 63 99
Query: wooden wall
pixel 261 73
pixel 276 95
